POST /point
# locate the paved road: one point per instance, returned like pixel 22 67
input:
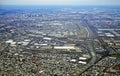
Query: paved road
pixel 90 41
pixel 90 46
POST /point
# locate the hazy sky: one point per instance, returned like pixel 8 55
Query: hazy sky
pixel 60 2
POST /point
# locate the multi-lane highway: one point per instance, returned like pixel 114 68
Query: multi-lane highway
pixel 90 41
pixel 90 46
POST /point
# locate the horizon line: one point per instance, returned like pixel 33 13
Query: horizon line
pixel 54 5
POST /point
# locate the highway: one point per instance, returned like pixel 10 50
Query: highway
pixel 90 41
pixel 90 46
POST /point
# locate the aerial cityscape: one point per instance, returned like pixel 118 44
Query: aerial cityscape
pixel 56 40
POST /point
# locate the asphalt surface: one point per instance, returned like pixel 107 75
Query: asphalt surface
pixel 90 46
